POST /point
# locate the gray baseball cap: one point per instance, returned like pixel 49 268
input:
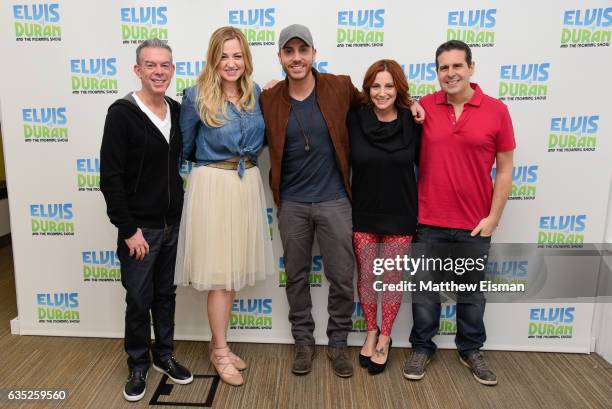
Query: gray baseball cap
pixel 294 31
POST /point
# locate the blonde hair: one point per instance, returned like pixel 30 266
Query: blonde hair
pixel 210 99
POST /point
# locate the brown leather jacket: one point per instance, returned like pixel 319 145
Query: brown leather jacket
pixel 336 95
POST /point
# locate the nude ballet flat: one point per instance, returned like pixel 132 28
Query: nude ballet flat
pixel 236 360
pixel 224 367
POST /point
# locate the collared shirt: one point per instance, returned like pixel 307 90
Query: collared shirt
pixel 457 154
pixel 241 135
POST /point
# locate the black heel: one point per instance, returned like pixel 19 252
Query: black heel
pixel 374 368
pixel 364 361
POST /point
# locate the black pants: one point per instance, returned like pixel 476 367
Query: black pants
pixel 332 223
pixel 149 286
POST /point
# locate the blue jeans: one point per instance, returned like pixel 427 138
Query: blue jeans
pixel 440 242
pixel 149 285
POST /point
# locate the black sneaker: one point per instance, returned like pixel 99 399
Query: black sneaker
pixel 175 371
pixel 415 366
pixel 480 369
pixel 136 385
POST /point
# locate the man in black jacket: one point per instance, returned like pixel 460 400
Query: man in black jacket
pixel 139 163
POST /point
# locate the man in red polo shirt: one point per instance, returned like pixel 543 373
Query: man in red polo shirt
pixel 464 134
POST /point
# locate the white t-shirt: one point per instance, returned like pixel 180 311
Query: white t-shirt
pixel 163 125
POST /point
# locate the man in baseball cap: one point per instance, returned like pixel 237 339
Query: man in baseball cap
pixel 305 118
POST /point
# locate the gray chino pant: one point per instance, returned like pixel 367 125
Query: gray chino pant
pixel 332 223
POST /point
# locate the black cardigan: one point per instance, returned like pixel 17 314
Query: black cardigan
pixel 139 170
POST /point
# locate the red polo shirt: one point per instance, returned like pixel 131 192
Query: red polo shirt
pixel 455 188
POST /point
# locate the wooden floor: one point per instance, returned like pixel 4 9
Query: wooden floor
pixel 94 371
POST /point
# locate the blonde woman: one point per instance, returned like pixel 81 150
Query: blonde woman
pixel 223 241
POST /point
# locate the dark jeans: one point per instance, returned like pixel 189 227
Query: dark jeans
pixel 149 286
pixel 439 242
pixel 332 223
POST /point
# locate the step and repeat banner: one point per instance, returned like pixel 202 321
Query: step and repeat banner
pixel 65 62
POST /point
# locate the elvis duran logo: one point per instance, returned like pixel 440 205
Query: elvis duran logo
pixel 586 28
pixel 448 319
pixel 359 322
pixel 524 82
pixel 58 308
pixel 563 231
pixel 186 74
pixel 552 322
pixel 251 313
pixel 524 179
pixel 37 22
pixel 143 23
pixel 88 174
pixel 45 124
pixel 257 25
pixel 270 217
pixel 94 75
pixel 53 219
pixel 573 134
pixel 184 171
pixel 101 266
pixel 315 279
pixel 360 28
pixel 421 78
pixel 507 271
pixel 473 27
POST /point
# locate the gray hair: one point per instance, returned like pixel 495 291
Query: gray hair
pixel 152 43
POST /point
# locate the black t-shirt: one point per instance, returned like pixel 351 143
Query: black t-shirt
pixel 383 157
pixel 309 176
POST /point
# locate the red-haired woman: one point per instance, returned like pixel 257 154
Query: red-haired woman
pixel 384 149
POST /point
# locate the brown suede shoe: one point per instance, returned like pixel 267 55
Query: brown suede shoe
pixel 302 359
pixel 341 361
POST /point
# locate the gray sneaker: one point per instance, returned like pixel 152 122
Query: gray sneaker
pixel 302 359
pixel 341 361
pixel 415 365
pixel 480 369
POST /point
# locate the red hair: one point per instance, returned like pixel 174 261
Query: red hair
pixel 399 81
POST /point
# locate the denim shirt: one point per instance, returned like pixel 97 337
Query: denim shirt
pixel 241 135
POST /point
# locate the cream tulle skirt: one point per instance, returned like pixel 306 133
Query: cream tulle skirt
pixel 224 239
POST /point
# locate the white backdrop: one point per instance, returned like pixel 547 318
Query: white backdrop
pixel 65 62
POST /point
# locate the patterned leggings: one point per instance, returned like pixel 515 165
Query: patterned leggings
pixel 367 249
